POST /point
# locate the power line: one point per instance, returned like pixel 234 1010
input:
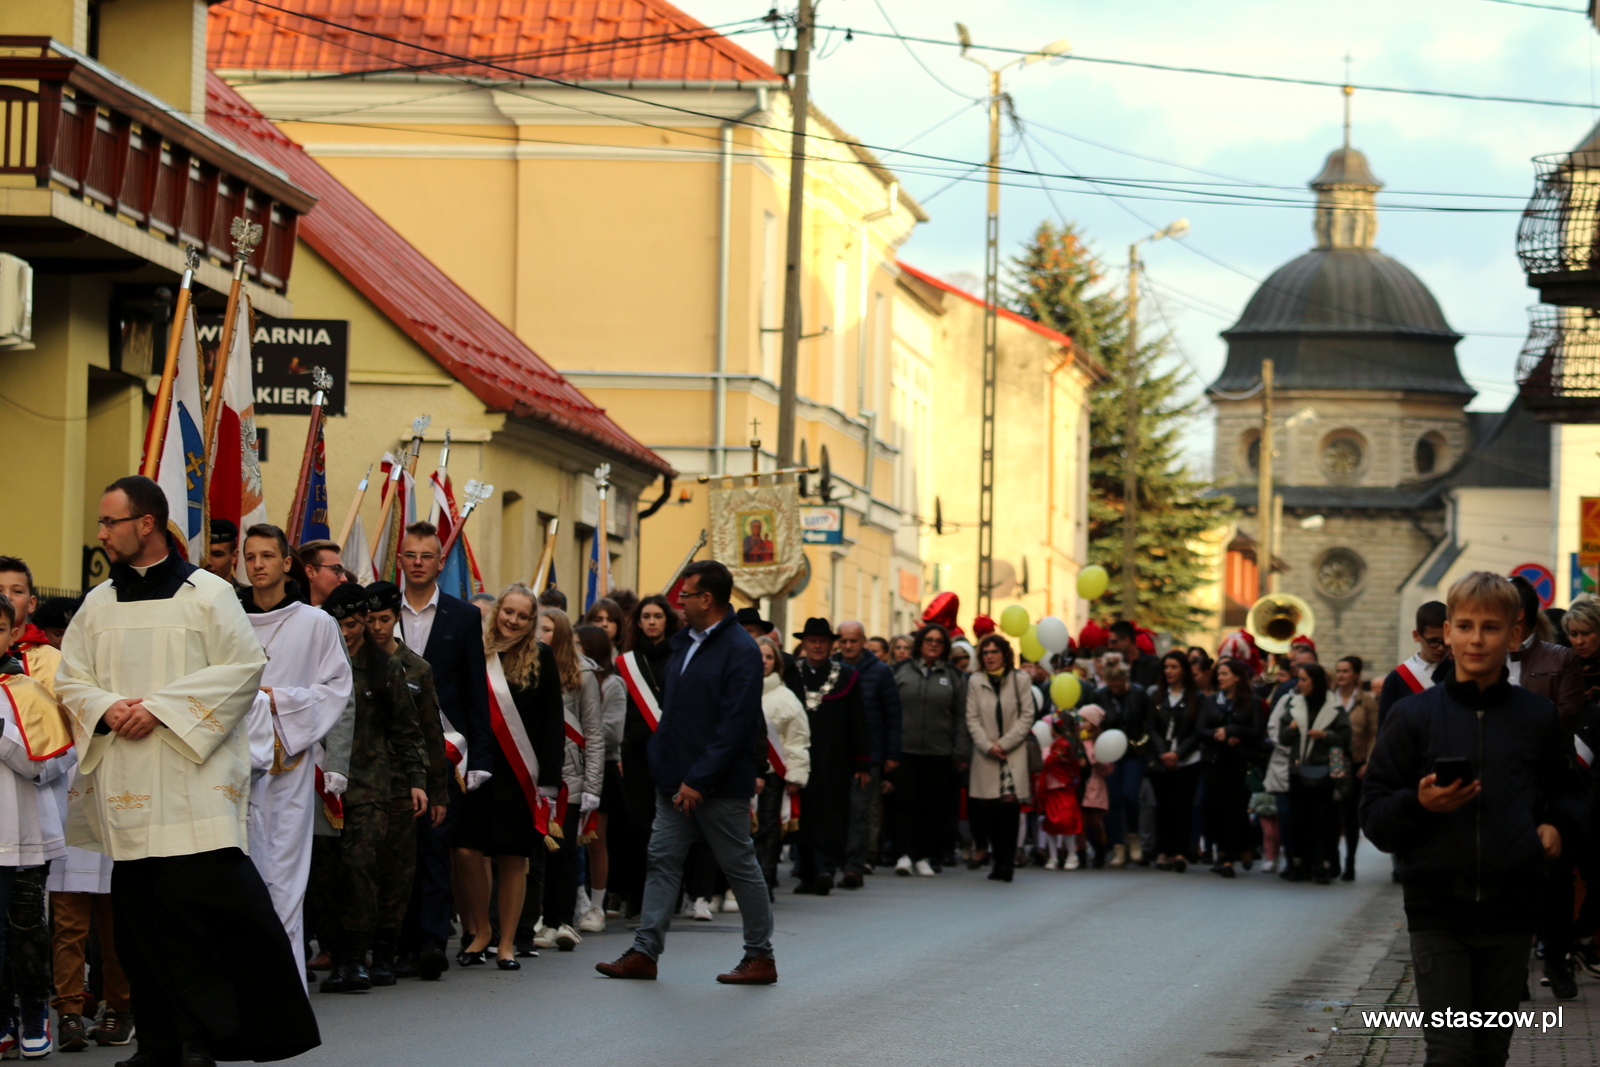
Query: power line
pixel 1542 7
pixel 918 59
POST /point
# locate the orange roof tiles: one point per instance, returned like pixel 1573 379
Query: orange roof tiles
pixel 571 40
pixel 476 348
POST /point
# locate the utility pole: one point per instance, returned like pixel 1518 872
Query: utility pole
pixel 1130 445
pixel 789 372
pixel 991 356
pixel 1265 547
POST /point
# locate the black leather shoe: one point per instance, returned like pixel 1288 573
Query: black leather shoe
pixel 336 980
pixel 465 958
pixel 406 966
pixel 148 1058
pixel 196 1054
pixel 823 884
pixel 508 964
pixel 432 964
pixel 1563 986
pixel 359 981
pixel 382 969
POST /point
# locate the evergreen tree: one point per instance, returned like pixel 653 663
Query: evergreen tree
pixel 1058 282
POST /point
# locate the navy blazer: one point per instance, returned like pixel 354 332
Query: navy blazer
pixel 455 652
pixel 712 736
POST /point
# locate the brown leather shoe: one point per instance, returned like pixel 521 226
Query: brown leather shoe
pixel 752 970
pixel 631 964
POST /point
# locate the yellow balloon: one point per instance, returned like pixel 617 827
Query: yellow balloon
pixel 1014 620
pixel 1065 689
pixel 1093 581
pixel 1031 648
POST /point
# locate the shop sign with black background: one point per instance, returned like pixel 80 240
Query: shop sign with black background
pixel 285 352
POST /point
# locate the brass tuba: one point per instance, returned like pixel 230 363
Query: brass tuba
pixel 1278 618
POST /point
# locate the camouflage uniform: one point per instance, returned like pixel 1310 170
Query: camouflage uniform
pixel 397 856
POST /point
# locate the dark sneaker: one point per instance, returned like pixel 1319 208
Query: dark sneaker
pixel 71 1036
pixel 1562 984
pixel 116 1029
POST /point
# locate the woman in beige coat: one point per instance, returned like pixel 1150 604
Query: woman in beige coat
pixel 999 717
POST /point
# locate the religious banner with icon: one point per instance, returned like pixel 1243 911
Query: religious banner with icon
pixel 756 532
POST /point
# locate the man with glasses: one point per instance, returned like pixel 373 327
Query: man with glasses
pixel 324 570
pixel 1423 669
pixel 448 633
pixel 158 671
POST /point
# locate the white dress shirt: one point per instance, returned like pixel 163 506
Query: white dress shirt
pixel 415 626
pixel 698 637
pixel 1514 667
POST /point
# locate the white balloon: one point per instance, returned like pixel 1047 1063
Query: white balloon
pixel 1043 733
pixel 1110 746
pixel 1052 633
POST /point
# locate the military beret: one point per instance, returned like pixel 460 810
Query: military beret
pixel 383 596
pixel 346 600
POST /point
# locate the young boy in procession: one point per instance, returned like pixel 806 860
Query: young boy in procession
pixel 1473 785
pixel 387 738
pixel 1422 670
pixel 31 646
pixel 397 860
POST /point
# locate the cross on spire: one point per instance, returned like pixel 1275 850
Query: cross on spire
pixel 1349 91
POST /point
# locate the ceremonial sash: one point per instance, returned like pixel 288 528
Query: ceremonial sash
pixel 39 718
pixel 1585 753
pixel 455 750
pixel 644 698
pixel 332 806
pixel 514 743
pixel 1410 679
pixel 774 751
pixel 573 727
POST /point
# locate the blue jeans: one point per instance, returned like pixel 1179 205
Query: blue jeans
pixel 1122 790
pixel 724 823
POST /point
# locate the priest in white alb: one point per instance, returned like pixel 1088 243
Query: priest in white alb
pixel 304 691
pixel 159 669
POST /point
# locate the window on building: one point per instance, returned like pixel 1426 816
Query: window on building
pixel 1340 573
pixel 1429 453
pixel 1343 452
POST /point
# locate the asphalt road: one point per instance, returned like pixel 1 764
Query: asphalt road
pixel 1108 968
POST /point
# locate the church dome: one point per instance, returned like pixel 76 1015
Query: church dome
pixel 1344 315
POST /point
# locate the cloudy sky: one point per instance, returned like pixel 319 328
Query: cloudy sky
pixel 1097 120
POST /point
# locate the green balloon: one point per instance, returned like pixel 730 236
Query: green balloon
pixel 1031 648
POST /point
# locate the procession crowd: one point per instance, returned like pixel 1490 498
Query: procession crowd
pixel 350 784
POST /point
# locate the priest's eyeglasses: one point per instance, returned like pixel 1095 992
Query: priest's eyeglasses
pixel 112 524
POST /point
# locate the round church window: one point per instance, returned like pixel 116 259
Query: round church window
pixel 1341 454
pixel 1340 573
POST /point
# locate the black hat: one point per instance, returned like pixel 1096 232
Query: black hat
pixel 383 596
pixel 55 613
pixel 347 599
pixel 817 628
pixel 752 617
pixel 224 530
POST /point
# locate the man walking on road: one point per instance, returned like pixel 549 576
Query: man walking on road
pixel 705 755
pixel 880 696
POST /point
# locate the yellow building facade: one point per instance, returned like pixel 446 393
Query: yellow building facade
pixel 631 228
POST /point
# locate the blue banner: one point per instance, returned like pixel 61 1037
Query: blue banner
pixel 456 577
pixel 594 591
pixel 314 527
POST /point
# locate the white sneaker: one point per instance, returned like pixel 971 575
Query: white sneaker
pixel 567 938
pixel 1072 862
pixel 543 936
pixel 925 869
pixel 593 921
pixel 730 904
pixel 902 867
pixel 1052 864
pixel 702 910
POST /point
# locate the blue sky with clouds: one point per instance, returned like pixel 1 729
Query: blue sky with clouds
pixel 1256 132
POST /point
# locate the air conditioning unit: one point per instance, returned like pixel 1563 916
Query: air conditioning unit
pixel 16 303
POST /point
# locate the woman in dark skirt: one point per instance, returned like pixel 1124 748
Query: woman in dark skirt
pixel 649 647
pixel 1231 729
pixel 497 819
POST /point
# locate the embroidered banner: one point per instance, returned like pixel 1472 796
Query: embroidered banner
pixel 756 533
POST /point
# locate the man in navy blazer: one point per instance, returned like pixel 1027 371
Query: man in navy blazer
pixel 705 756
pixel 448 633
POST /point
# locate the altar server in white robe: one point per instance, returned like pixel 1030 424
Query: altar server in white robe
pixel 159 669
pixel 304 691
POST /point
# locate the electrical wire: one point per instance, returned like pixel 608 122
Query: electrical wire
pixel 918 59
pixel 1542 7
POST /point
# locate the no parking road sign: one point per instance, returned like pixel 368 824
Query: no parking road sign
pixel 1544 583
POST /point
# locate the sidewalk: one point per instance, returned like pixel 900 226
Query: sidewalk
pixel 1353 1044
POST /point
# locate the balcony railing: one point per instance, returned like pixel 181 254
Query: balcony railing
pixel 81 129
pixel 1559 368
pixel 1558 239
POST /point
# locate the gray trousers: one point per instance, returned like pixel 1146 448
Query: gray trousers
pixel 860 842
pixel 1464 973
pixel 724 823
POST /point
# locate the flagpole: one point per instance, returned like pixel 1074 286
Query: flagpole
pixel 687 559
pixel 246 235
pixel 404 464
pixel 602 478
pixel 546 556
pixel 476 493
pixel 323 381
pixel 155 434
pixel 355 509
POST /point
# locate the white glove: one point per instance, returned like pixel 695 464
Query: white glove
pixel 477 778
pixel 334 783
pixel 588 802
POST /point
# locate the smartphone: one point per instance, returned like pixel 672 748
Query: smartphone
pixel 1449 770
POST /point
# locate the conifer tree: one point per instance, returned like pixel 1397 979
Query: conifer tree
pixel 1058 282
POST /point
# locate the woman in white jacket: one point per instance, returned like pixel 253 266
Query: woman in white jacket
pixel 786 719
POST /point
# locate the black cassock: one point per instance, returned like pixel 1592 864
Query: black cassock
pixel 839 749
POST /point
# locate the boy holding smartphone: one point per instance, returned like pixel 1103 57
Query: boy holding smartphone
pixel 1471 853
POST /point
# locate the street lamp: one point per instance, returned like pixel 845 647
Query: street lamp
pixel 1130 431
pixel 991 302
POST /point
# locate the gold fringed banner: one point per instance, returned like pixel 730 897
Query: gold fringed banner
pixel 755 531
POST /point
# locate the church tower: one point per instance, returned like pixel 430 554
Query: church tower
pixel 1369 414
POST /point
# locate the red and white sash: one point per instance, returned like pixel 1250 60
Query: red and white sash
pixel 789 807
pixel 514 743
pixel 1410 679
pixel 644 698
pixel 455 750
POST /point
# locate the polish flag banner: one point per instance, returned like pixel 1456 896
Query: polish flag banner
pixel 236 482
pixel 181 471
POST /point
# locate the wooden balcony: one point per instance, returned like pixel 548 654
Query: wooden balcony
pixel 76 127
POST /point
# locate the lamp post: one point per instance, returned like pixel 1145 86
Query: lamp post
pixel 1130 431
pixel 991 302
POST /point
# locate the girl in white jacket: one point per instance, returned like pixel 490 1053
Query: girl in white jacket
pixel 787 723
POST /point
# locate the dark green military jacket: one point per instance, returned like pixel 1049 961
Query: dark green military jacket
pixel 387 738
pixel 419 680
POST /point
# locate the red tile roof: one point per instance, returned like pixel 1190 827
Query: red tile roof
pixel 473 345
pixel 574 40
pixel 1005 313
